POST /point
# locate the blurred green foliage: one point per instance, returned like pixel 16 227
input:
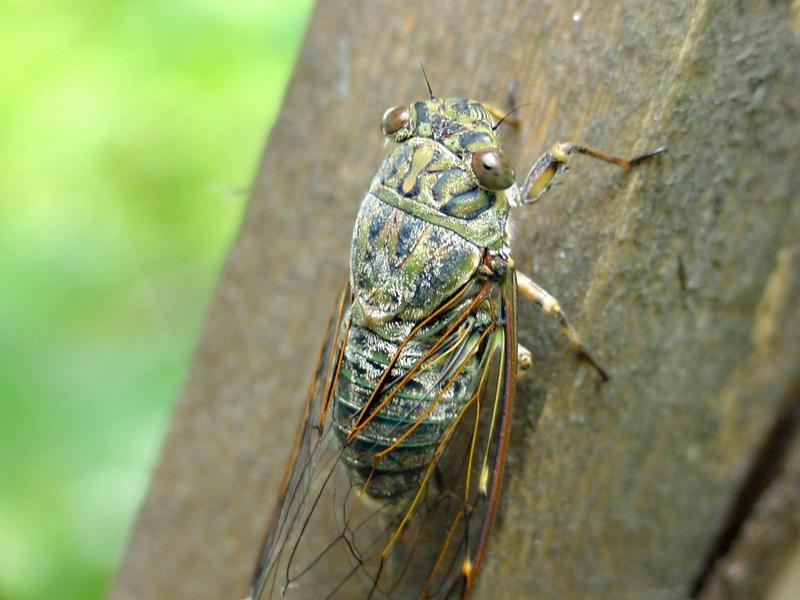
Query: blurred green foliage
pixel 129 133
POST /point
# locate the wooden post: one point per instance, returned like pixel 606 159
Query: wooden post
pixel 682 276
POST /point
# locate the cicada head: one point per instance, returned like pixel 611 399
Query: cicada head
pixel 464 127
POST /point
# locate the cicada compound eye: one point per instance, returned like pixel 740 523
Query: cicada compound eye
pixel 395 119
pixel 493 169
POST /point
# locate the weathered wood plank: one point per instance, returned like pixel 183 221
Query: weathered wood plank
pixel 682 276
pixel 760 558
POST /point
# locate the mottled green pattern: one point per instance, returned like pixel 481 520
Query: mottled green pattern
pixel 403 267
pixel 434 193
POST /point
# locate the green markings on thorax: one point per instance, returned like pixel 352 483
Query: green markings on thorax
pixel 422 178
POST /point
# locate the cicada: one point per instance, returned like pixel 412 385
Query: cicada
pixel 397 469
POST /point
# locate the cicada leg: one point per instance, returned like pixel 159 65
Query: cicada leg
pixel 524 359
pixel 551 163
pixel 550 307
pixel 539 179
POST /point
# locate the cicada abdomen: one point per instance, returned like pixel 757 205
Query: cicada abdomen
pixel 395 479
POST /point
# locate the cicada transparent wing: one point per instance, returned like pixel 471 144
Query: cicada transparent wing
pixel 302 469
pixel 369 508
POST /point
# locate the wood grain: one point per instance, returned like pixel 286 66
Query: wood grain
pixel 682 276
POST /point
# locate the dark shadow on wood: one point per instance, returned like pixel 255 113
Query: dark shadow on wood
pixel 767 466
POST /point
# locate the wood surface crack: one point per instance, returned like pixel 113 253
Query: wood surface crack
pixel 765 469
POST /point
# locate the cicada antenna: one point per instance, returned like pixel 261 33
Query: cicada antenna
pixel 508 114
pixel 427 81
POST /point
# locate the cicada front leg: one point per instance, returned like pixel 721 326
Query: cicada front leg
pixel 539 179
pixel 543 172
pixel 550 307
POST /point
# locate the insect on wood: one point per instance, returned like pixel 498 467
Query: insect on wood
pixel 397 468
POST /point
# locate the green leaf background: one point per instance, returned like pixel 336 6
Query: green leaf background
pixel 129 134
